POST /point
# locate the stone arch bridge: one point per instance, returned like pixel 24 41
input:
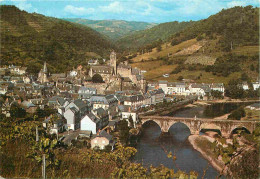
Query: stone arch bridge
pixel 197 124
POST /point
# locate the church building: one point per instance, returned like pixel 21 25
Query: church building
pixel 42 75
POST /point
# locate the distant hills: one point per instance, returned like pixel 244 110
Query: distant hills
pixel 159 32
pixel 29 39
pixel 113 29
pixel 232 27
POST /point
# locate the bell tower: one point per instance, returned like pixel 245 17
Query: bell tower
pixel 113 61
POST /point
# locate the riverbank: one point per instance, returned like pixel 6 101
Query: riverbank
pixel 196 140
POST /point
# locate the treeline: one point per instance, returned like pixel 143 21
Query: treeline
pixel 35 38
pixel 145 39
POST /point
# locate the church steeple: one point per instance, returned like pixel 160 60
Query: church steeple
pixel 113 61
pixel 45 68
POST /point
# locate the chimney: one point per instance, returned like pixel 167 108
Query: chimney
pixel 98 132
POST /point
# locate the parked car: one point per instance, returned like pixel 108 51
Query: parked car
pixel 166 75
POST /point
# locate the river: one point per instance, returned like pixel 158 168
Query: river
pixel 153 150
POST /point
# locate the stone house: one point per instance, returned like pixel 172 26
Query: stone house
pixel 157 96
pixel 86 92
pixel 102 140
pixel 55 123
pixel 29 107
pixel 125 112
pixel 134 101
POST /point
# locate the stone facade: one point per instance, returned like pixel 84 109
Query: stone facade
pixel 114 75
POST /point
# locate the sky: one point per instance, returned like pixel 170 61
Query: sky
pixel 156 11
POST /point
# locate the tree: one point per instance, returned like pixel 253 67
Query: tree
pixel 130 119
pixel 123 131
pixel 237 114
pixel 180 78
pixel 97 78
pixel 17 111
pixel 252 67
pixel 244 77
pixel 234 89
pixel 217 94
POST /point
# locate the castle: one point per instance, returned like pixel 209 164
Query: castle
pixel 112 73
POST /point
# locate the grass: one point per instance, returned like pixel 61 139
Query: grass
pixel 252 114
pixel 166 48
pixel 246 50
pixel 156 69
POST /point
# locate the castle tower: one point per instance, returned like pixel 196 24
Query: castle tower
pixel 113 61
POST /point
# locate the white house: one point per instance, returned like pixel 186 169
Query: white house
pixel 90 123
pixel 256 85
pixel 163 85
pixel 177 89
pixel 126 112
pixel 72 117
pixel 245 86
pixel 218 87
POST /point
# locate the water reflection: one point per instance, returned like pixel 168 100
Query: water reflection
pixel 153 150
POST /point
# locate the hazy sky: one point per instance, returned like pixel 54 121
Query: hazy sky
pixel 131 10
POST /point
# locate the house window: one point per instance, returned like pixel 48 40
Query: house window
pixel 95 141
pixel 103 141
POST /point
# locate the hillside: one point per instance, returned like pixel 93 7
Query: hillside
pixel 113 29
pixel 29 39
pixel 142 38
pixel 234 27
pixel 216 49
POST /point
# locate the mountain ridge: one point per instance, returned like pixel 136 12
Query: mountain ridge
pixel 113 29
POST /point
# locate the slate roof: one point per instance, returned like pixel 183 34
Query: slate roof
pixel 124 108
pixel 93 117
pixel 80 104
pixel 102 69
pixel 86 90
pixel 27 104
pixel 101 112
pixel 105 134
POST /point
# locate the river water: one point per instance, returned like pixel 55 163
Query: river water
pixel 153 150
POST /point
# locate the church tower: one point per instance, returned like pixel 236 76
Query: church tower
pixel 42 76
pixel 113 61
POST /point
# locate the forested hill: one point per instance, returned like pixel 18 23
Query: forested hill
pixel 113 29
pixel 238 26
pixel 29 39
pixel 142 38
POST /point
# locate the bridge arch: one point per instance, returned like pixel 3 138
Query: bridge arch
pixel 210 127
pixel 233 129
pixel 179 122
pixel 154 121
pixel 172 123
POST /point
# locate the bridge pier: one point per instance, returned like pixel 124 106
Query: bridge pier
pixel 194 132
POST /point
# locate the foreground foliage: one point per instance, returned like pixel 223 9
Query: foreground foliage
pixel 21 156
